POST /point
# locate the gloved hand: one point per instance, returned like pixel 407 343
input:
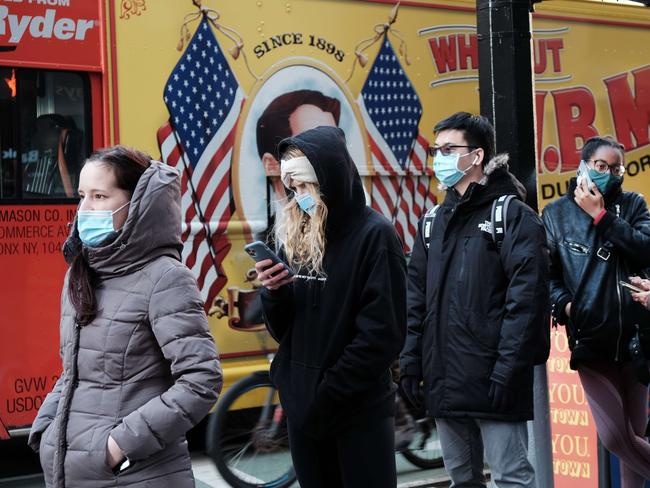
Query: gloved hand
pixel 411 389
pixel 502 397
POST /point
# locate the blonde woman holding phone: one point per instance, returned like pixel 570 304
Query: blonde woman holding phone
pixel 340 320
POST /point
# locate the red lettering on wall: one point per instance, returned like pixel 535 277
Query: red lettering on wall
pixel 631 113
pixel 541 47
pixel 575 112
pixel 554 45
pixel 444 52
pixel 540 97
pixel 467 51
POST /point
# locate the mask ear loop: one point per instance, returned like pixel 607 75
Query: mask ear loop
pixel 117 210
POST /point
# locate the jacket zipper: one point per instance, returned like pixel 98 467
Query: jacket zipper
pixel 618 293
pixel 62 441
pixel 461 273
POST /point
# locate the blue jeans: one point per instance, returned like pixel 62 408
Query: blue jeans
pixel 504 446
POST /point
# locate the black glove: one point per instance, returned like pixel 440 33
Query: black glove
pixel 411 389
pixel 502 397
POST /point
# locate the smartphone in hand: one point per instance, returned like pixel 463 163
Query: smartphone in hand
pixel 583 175
pixel 631 287
pixel 260 251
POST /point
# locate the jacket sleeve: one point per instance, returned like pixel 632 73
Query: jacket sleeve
pixel 380 326
pixel 45 415
pixel 180 326
pixel 524 257
pixel 278 310
pixel 410 362
pixel 559 294
pixel 633 237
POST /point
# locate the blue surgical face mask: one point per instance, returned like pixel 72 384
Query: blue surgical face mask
pixel 603 181
pixel 306 202
pixel 446 169
pixel 95 226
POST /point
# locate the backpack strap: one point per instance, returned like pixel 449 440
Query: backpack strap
pixel 427 225
pixel 499 217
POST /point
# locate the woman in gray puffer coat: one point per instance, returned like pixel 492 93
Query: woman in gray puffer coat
pixel 140 367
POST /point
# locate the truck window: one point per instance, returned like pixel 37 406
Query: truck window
pixel 45 134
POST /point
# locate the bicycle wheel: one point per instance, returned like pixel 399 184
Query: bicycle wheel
pixel 247 436
pixel 424 450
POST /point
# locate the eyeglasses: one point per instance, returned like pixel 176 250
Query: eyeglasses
pixel 446 149
pixel 602 167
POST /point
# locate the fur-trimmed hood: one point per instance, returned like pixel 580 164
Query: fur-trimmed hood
pixel 497 180
pixel 499 167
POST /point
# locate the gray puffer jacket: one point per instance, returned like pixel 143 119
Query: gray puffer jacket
pixel 145 370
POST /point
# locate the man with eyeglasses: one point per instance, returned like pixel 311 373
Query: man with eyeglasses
pixel 478 316
pixel 599 239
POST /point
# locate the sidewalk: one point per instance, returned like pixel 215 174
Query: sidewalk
pixel 206 476
pixel 408 476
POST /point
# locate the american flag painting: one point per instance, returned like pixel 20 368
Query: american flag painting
pixel 391 111
pixel 204 102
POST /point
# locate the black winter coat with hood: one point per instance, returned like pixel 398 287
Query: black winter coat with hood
pixel 338 337
pixel 477 314
pixel 587 263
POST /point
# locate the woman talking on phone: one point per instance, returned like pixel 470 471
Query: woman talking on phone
pixel 599 237
pixel 140 367
pixel 340 319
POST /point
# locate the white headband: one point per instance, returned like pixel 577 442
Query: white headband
pixel 299 169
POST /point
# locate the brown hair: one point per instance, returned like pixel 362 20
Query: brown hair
pixel 273 124
pixel 128 165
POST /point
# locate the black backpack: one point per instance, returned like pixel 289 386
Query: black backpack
pixel 498 219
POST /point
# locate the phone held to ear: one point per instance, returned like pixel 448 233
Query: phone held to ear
pixel 631 287
pixel 583 175
pixel 260 251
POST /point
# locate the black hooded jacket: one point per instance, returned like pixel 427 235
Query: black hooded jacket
pixel 477 314
pixel 338 337
pixel 587 263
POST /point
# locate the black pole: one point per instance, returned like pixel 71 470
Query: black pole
pixel 506 83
